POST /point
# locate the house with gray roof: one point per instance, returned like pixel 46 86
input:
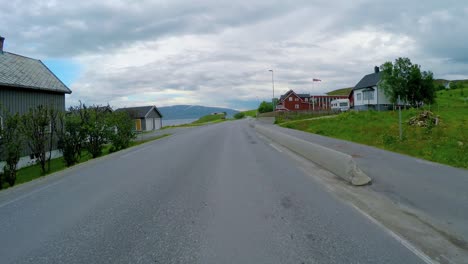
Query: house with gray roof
pixel 367 94
pixel 27 83
pixel 146 118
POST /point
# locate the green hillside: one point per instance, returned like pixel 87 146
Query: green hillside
pixel 210 119
pixel 445 143
pixel 343 91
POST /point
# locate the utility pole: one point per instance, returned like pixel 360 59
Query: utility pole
pixel 399 117
pixel 273 85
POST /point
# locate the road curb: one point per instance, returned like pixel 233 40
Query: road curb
pixel 341 164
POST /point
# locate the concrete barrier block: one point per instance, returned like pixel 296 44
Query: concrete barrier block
pixel 341 164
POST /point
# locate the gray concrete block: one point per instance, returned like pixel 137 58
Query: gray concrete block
pixel 341 164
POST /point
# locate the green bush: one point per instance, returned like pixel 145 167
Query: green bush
pixel 13 142
pixel 71 136
pixel 239 115
pixel 122 125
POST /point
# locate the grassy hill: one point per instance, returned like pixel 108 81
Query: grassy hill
pixel 343 91
pixel 445 143
pixel 252 113
pixel 210 119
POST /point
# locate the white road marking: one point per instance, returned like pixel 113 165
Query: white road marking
pixel 275 147
pixel 29 194
pixel 133 152
pixel 401 240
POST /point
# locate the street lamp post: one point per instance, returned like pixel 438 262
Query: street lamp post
pixel 273 85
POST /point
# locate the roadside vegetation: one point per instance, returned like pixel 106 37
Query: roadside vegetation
pixel 213 118
pixel 239 115
pixel 80 134
pixel 446 142
pixel 251 113
pixel 204 120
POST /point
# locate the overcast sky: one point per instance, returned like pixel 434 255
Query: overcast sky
pixel 218 53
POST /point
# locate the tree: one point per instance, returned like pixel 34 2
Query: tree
pixel 71 135
pixel 123 130
pixel 406 80
pixel 265 107
pixel 12 139
pixel 36 128
pixel 97 129
pixel 53 114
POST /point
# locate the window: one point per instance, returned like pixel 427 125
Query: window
pixel 358 97
pixel 1 122
pixel 344 104
pixel 307 99
pixel 290 99
pixel 296 99
pixel 368 95
pixel 296 106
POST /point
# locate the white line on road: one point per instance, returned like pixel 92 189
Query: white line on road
pixel 30 194
pixel 401 240
pixel 136 151
pixel 275 147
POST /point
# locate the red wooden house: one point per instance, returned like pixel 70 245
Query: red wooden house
pixel 291 101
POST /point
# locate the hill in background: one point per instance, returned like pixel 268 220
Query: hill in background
pixel 192 111
pixel 343 91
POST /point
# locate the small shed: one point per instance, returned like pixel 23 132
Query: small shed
pixel 146 118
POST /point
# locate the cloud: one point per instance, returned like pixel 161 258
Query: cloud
pixel 219 52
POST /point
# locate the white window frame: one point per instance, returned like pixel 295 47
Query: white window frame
pixel 307 99
pixel 1 122
pixel 290 99
pixel 358 97
pixel 296 99
pixel 296 106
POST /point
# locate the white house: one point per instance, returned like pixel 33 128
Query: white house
pixel 368 95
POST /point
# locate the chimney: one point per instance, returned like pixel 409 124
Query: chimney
pixel 2 39
pixel 376 69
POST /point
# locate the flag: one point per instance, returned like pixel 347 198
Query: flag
pixel 316 80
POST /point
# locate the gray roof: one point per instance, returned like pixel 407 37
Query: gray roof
pixel 24 72
pixel 139 111
pixel 282 97
pixel 369 80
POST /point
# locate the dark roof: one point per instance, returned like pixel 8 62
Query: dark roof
pixel 282 97
pixel 139 111
pixel 24 72
pixel 368 81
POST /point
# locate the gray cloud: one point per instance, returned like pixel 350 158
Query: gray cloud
pixel 207 50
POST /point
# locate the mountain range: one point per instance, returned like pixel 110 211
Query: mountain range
pixel 192 111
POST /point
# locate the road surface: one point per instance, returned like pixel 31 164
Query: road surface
pixel 214 194
pixel 437 190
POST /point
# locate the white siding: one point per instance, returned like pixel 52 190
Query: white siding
pixel 157 123
pixel 149 124
pixel 381 100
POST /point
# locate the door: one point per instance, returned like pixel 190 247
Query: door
pixel 138 124
pixel 149 124
pixel 157 123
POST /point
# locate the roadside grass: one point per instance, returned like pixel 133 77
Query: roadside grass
pixel 209 119
pixel 252 113
pixel 446 143
pixel 30 173
pixel 295 116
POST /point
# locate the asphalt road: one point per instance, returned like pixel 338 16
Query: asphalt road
pixel 437 190
pixel 215 194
